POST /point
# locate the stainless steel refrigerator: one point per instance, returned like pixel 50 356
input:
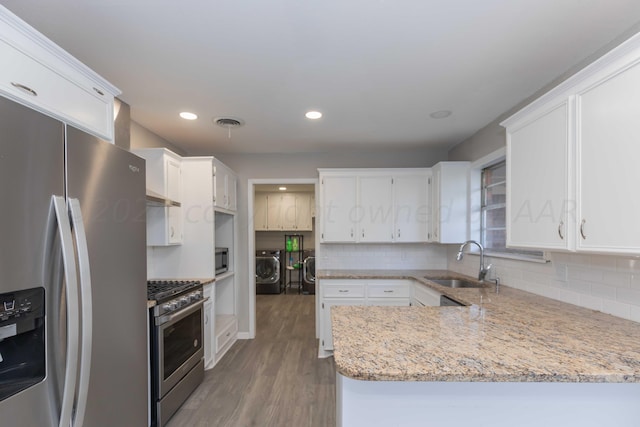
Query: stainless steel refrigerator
pixel 73 317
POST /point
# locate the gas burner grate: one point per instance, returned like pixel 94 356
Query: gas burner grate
pixel 159 290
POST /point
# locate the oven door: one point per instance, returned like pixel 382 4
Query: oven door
pixel 179 345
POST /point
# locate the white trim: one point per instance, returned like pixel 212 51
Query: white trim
pixel 251 244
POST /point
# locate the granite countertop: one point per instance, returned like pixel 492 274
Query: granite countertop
pixel 513 336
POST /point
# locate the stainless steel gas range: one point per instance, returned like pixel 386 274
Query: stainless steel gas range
pixel 177 352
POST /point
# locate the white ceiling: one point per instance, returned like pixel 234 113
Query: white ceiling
pixel 375 68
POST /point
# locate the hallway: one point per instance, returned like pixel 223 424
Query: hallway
pixel 272 381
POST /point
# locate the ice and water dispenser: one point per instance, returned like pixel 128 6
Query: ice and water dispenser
pixel 22 340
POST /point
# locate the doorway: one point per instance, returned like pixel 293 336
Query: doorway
pixel 263 238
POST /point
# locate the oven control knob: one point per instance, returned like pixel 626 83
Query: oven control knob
pixel 174 305
pixel 184 301
pixel 194 296
pixel 166 307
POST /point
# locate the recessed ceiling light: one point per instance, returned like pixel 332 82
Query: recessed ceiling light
pixel 282 188
pixel 313 115
pixel 188 116
pixel 440 114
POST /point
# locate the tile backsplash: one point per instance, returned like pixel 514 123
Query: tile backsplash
pixel 610 284
pixel 383 256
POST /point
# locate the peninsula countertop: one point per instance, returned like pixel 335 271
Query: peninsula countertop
pixel 512 336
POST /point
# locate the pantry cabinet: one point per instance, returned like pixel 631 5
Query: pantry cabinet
pixel 582 135
pixel 374 205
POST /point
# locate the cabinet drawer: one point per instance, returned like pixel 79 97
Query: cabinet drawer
pixel 54 94
pixel 343 290
pixel 226 334
pixel 388 291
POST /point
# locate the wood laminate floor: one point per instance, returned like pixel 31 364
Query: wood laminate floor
pixel 273 380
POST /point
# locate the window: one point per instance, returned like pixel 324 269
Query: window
pixel 493 225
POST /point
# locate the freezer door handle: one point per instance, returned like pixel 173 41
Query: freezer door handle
pixel 86 310
pixel 73 320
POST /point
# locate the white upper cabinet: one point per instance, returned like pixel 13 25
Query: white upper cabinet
pixel 373 205
pixel 538 201
pixel 224 187
pixel 411 203
pixel 608 169
pixel 449 200
pixel 573 161
pixel 39 74
pixel 282 212
pixel 374 209
pixel 164 181
pixel 338 198
pixel 164 176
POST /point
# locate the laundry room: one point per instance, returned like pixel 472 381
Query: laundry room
pixel 284 222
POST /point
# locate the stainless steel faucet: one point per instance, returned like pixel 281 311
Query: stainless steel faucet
pixel 483 270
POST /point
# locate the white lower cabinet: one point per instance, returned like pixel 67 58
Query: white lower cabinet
pixel 335 292
pixel 424 296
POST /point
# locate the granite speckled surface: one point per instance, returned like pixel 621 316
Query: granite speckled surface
pixel 513 336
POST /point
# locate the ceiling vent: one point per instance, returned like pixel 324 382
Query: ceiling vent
pixel 228 122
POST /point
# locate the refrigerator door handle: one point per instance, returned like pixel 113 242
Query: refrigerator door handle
pixel 73 318
pixel 86 310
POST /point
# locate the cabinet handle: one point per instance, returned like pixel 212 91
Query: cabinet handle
pixel 352 232
pixel 342 291
pixel 172 231
pixel 98 91
pixel 25 88
pixel 398 233
pixel 560 230
pixel 362 233
pixel 386 291
pixel 584 237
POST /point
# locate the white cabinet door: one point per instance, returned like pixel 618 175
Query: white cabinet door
pixel 164 226
pixel 174 179
pixel 50 88
pixel 274 212
pixel 326 337
pixel 208 334
pixel 538 202
pixel 449 198
pixel 224 184
pixel 338 197
pixel 608 149
pixel 260 212
pixel 288 212
pixel 303 212
pixel 411 208
pixel 374 213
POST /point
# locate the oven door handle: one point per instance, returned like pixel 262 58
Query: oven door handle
pixel 179 315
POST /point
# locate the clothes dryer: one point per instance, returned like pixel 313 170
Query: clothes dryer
pixel 268 271
pixel 309 272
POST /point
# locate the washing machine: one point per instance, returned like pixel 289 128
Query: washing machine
pixel 309 272
pixel 268 271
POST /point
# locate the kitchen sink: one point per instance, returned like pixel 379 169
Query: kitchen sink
pixel 457 283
